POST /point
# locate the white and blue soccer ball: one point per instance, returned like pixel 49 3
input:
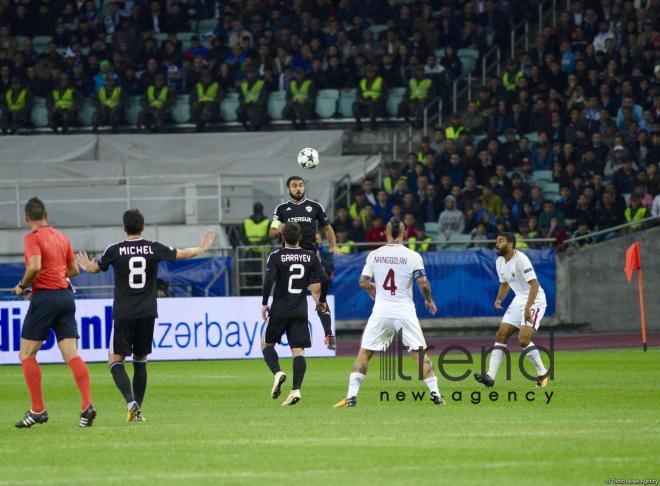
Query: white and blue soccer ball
pixel 308 158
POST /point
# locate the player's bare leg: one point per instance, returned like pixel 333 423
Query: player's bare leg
pixel 499 350
pixel 326 319
pixel 356 378
pixel 272 360
pixel 32 373
pixel 299 368
pixel 429 376
pixel 525 341
pixel 69 349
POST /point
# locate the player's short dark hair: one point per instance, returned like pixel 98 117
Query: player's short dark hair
pixel 396 227
pixel 294 178
pixel 510 238
pixel 35 209
pixel 133 222
pixel 291 233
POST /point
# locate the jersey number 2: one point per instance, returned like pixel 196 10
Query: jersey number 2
pixel 300 272
pixel 138 268
pixel 389 283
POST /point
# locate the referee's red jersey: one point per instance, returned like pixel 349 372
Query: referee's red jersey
pixel 55 251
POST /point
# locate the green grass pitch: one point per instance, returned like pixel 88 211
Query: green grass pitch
pixel 214 423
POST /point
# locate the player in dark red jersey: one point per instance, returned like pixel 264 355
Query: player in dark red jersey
pixel 310 215
pixel 135 264
pixel 50 262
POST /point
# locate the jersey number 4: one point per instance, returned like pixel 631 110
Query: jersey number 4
pixel 389 283
pixel 137 278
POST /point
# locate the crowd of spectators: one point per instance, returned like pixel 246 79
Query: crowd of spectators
pixel 579 113
pixel 133 41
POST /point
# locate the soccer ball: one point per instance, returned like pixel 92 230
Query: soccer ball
pixel 308 158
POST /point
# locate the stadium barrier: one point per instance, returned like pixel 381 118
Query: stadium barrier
pixel 186 329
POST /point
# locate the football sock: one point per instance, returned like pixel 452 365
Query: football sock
pixel 139 380
pixel 325 321
pixel 535 357
pixel 83 381
pixel 271 359
pixel 122 381
pixel 299 367
pixel 432 383
pixel 32 374
pixel 496 358
pixel 354 382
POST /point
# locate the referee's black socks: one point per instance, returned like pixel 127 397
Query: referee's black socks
pixel 122 381
pixel 139 380
pixel 271 358
pixel 299 367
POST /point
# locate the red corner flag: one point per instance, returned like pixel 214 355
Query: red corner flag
pixel 633 263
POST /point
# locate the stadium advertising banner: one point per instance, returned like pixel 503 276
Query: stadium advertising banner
pixel 187 329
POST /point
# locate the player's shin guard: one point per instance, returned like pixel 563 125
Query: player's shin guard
pixel 83 381
pixel 122 381
pixel 32 374
pixel 139 380
pixel 535 357
pixel 432 384
pixel 354 382
pixel 496 358
pixel 299 367
pixel 271 358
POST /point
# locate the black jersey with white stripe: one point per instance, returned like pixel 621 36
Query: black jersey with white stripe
pixel 291 270
pixel 135 264
pixel 308 214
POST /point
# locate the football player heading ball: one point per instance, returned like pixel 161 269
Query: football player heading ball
pixel 308 214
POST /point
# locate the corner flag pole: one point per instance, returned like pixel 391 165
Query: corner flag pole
pixel 640 284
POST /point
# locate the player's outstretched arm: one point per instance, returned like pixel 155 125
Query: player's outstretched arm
pixel 207 241
pixel 87 264
pixel 501 295
pixel 425 287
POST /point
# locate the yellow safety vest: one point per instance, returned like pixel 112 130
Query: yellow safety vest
pixel 452 133
pixel 421 156
pixel 210 95
pixel 255 232
pixel 640 214
pixel 423 245
pixel 19 104
pixel 162 96
pixel 375 91
pixel 252 94
pixel 113 101
pixel 301 93
pixel 63 101
pixel 419 90
pixel 346 247
pixel 389 184
pixel 511 84
pixel 520 242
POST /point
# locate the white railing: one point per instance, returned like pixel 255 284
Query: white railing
pixel 490 62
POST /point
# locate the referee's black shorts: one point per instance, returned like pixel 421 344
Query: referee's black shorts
pixel 132 336
pixel 295 328
pixel 50 309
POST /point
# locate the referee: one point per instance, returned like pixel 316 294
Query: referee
pixel 309 215
pixel 49 263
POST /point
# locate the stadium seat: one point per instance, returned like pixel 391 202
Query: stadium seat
pixel 228 108
pixel 533 137
pixel 376 30
pixel 346 100
pixel 276 105
pixel 439 53
pixel 207 25
pixel 432 229
pixel 132 110
pixel 160 37
pixel 277 95
pixel 550 190
pixel 326 107
pixel 329 93
pixel 469 58
pixel 465 239
pixel 39 113
pixel 233 95
pixel 541 176
pixel 86 113
pixel 40 43
pixel 181 110
pixel 394 98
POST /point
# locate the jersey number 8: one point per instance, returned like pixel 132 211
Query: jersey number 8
pixel 138 267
